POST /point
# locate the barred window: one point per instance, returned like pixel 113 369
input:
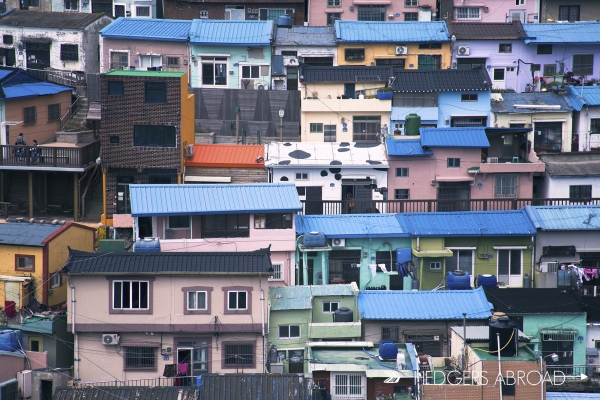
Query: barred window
pixel 583 64
pixel 69 52
pixel 140 357
pixel 239 355
pixel 390 333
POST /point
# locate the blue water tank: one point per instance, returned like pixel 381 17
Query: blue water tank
pixel 147 245
pixel 403 255
pixel 284 21
pixel 315 239
pixel 487 281
pixel 458 280
pixel 10 340
pixel 388 350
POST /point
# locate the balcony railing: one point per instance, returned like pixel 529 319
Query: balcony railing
pixel 310 207
pixel 49 156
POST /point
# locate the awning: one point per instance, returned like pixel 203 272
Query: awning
pixel 218 179
pixel 15 278
pixel 41 40
pixel 432 253
pixel 389 373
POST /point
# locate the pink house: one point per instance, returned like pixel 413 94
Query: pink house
pixel 221 218
pixel 147 315
pixel 325 12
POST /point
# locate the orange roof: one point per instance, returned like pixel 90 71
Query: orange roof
pixel 227 155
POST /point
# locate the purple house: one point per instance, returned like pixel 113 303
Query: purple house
pixel 490 11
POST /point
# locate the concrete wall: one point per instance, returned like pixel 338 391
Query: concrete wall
pixel 10 364
pixel 136 47
pixel 58 377
pixel 558 187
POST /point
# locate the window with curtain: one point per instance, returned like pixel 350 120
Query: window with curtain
pixel 429 61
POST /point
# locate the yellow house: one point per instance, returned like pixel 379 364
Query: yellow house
pixel 31 256
pixel 405 45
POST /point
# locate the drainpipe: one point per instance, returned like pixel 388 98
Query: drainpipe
pixel 500 364
pixel 262 321
pixel 76 359
pixel 532 261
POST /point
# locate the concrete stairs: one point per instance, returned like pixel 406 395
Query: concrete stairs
pixel 79 121
pixel 95 207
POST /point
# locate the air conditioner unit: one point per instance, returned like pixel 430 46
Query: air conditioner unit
pixel 290 62
pixel 492 160
pixel 549 267
pixel 464 50
pixel 110 339
pixel 337 242
pixel 401 50
pixel 24 379
pixel 261 86
pixel 190 150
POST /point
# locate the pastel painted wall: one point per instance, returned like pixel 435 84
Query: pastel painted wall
pixel 450 105
pixel 8 267
pixel 374 51
pixel 395 11
pixel 593 336
pixel 135 48
pixel 501 11
pixel 558 187
pixel 582 127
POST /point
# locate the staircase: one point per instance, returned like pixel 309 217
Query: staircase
pixel 78 122
pixel 95 207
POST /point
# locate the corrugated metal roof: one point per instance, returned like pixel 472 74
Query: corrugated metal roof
pixel 426 113
pixel 406 147
pixel 326 154
pixel 227 156
pixel 454 137
pixel 17 83
pixel 565 218
pixel 578 32
pixel 51 20
pixel 305 36
pixel 26 234
pixel 351 225
pixel 126 393
pixel 539 99
pixel 300 297
pixel 231 33
pixel 423 305
pixel 572 396
pixel 155 200
pixel 173 30
pixel 468 223
pixel 477 333
pixel 391 32
pixel 590 96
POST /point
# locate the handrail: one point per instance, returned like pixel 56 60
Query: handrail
pixel 69 112
pixel 89 188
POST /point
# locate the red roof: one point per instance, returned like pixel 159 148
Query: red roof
pixel 227 155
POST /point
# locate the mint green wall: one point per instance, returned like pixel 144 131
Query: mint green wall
pixel 345 301
pixel 289 317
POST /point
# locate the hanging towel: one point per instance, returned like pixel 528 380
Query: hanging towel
pixel 373 268
pixel 383 268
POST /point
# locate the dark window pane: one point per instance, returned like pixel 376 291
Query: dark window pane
pixel 242 300
pixel 156 92
pixel 116 89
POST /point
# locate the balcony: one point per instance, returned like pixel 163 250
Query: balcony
pixel 334 330
pixel 51 156
pixel 346 105
pixel 514 165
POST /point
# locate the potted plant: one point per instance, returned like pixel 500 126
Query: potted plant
pixel 385 93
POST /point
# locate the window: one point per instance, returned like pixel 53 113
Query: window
pixel 24 263
pixel 204 14
pixel 156 92
pixel 547 137
pixel 466 13
pixel 7 39
pixel 316 128
pixel 131 295
pixel 9 58
pixel 559 251
pixel 508 386
pixel 498 74
pixel 401 194
pixel 354 54
pixel 371 13
pixel 435 265
pixel 462 260
pixel 289 331
pixel 149 61
pixel 329 307
pixel 29 115
pixel 54 112
pixel 428 61
pixel 580 191
pixel 196 300
pixel 568 13
pixel 505 48
pixel 509 263
pixel 173 61
pixel 296 361
pixel 348 386
pixel 223 226
pixel 411 3
pixel 277 272
pixel 154 136
pixel 411 16
pixel 116 89
pixel 519 2
pixel 426 342
pixel 468 121
pixel 334 3
pixel 301 176
pixel 56 280
pixel 140 358
pixel 583 64
pixel 401 172
pixel 250 71
pixel 113 139
pixel 435 46
pixel 103 6
pixel 238 355
pixel 535 67
pixel 272 221
pixel 390 333
pixel 594 125
pixel 544 49
pixel 271 14
pixel 453 163
pixel 549 69
pixel 214 71
pixel 119 60
pixel 366 128
pixel 179 222
pixel 72 5
pixel 468 97
pixel 142 11
pixel 237 300
pixel 332 17
pixel 506 186
pixel 329 133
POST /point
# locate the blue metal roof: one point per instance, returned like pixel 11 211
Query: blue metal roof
pixel 300 297
pixel 426 113
pixel 391 32
pixel 26 234
pixel 578 32
pixel 572 396
pixel 155 200
pixel 468 223
pixel 406 147
pixel 350 225
pixel 231 33
pixel 17 84
pixel 454 137
pixel 565 218
pixel 172 30
pixel 423 305
pixel 590 96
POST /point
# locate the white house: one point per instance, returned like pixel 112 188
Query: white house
pixel 570 175
pixel 586 117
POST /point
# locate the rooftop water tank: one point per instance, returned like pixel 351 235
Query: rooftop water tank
pixel 412 124
pixel 458 280
pixel 508 331
pixel 10 340
pixel 284 21
pixel 147 245
pixel 315 239
pixel 487 281
pixel 388 350
pixel 343 314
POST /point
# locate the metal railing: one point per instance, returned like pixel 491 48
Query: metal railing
pixel 73 108
pixel 61 77
pixel 92 181
pixel 316 207
pixel 574 371
pixel 47 156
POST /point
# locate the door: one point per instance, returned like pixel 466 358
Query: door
pixel 314 200
pixel 311 268
pixel 453 191
pixel 517 15
pixel 194 354
pixel 119 10
pixel 349 90
pixel 361 194
pixel 292 78
pixel 510 270
pixel 499 78
pixel 38 55
pixel 12 292
pixel 344 266
pixel 123 201
pixel 45 390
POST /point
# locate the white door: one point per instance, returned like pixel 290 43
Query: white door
pixel 510 267
pixel 12 292
pixel 499 78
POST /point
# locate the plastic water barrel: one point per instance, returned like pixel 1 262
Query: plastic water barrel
pixel 527 281
pixel 508 340
pixel 487 281
pixel 284 21
pixel 8 340
pixel 343 314
pixel 388 350
pixel 315 239
pixel 458 280
pixel 412 124
pixel 147 245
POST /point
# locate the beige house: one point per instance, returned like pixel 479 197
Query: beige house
pixel 201 312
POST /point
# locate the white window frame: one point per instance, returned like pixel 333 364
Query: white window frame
pixel 203 14
pixel 289 336
pixel 411 3
pixel 435 265
pixel 148 288
pixel 505 187
pixel 210 59
pixel 319 127
pixel 277 272
pixel 56 280
pixel 469 14
pixel 187 305
pixel 330 303
pixel 304 176
pixel 237 299
pixel 519 2
pixel 135 9
pixel 402 170
pixel 110 52
pixel 153 59
pixel 340 386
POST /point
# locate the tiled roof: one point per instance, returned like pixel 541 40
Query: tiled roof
pixel 126 392
pixel 188 199
pixel 565 218
pixel 390 32
pixel 423 305
pixel 406 148
pixel 511 100
pixel 539 301
pixel 305 36
pixel 578 32
pixel 454 137
pixel 227 156
pixel 243 262
pixel 344 74
pixel 468 223
pixel 172 30
pixel 486 30
pixel 17 84
pixel 49 20
pixel 350 225
pixel 441 80
pixel 590 96
pixel 326 154
pixel 231 33
pixel 300 297
pixel 26 234
pixel 572 164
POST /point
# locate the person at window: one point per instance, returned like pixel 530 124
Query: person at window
pixel 36 152
pixel 20 151
pixel 349 203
